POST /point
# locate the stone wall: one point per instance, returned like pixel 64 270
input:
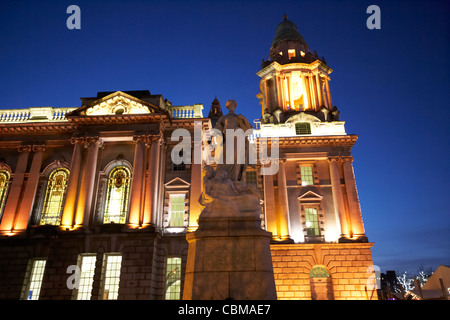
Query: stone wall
pixel 142 272
pixel 345 263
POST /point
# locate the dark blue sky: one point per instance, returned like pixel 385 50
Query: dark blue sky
pixel 391 85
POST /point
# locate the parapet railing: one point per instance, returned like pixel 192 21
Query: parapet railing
pixel 34 114
pixel 186 112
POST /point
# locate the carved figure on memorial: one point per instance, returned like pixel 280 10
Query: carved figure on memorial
pixel 235 170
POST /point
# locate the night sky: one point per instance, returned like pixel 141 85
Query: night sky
pixel 390 85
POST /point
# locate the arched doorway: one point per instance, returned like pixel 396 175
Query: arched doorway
pixel 321 284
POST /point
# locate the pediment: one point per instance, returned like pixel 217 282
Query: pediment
pixel 310 196
pixel 302 117
pixel 117 104
pixel 177 183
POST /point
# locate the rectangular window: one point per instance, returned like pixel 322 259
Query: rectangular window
pixel 312 222
pixel 34 283
pixel 111 276
pixel 179 167
pixel 176 205
pixel 302 128
pixel 307 176
pixel 251 178
pixel 291 53
pixel 173 278
pixel 87 266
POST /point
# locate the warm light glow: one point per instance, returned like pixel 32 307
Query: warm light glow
pixel 297 93
pixel 54 197
pixel 116 204
pixel 4 182
pixel 116 106
pixel 291 53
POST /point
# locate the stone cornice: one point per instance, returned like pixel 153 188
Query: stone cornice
pixel 312 68
pixel 36 127
pixel 345 140
pixel 125 118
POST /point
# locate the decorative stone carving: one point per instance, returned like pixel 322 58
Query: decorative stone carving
pixel 226 198
pixel 235 170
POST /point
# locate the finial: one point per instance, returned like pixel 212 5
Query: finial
pixel 285 17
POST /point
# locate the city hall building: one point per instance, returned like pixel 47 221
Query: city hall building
pixel 93 207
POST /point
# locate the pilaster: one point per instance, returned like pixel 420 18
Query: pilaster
pixel 15 192
pixel 29 194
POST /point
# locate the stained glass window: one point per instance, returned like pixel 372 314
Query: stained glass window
pixel 318 272
pixel 4 182
pixel 116 202
pixel 54 197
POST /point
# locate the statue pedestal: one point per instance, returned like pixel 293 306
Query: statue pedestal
pixel 229 257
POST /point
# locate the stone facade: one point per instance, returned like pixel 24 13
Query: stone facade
pixel 346 266
pixel 310 206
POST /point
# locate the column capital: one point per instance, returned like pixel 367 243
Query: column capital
pixel 24 148
pixel 347 159
pixel 335 158
pixel 39 148
pixel 140 138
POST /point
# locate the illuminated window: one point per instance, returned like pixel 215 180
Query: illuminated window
pixel 307 176
pixel 116 203
pixel 4 182
pixel 176 213
pixel 173 278
pixel 302 128
pixel 111 276
pixel 34 281
pixel 54 197
pixel 302 53
pixel 87 268
pixel 291 53
pixel 312 222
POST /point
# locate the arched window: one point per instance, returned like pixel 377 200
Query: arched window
pixel 116 201
pixel 4 183
pixel 54 197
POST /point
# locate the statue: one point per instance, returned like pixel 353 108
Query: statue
pixel 225 197
pixel 235 171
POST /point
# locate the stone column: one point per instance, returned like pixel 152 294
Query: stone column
pixel 67 219
pixel 311 92
pixel 85 200
pixel 15 190
pixel 283 204
pixel 319 91
pixel 196 179
pixel 308 92
pixel 31 185
pixel 338 198
pixel 137 182
pixel 327 87
pixel 269 206
pixel 289 83
pixel 357 227
pixel 151 191
pixel 305 93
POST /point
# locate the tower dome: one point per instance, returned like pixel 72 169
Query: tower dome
pixel 287 30
pixel 288 43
